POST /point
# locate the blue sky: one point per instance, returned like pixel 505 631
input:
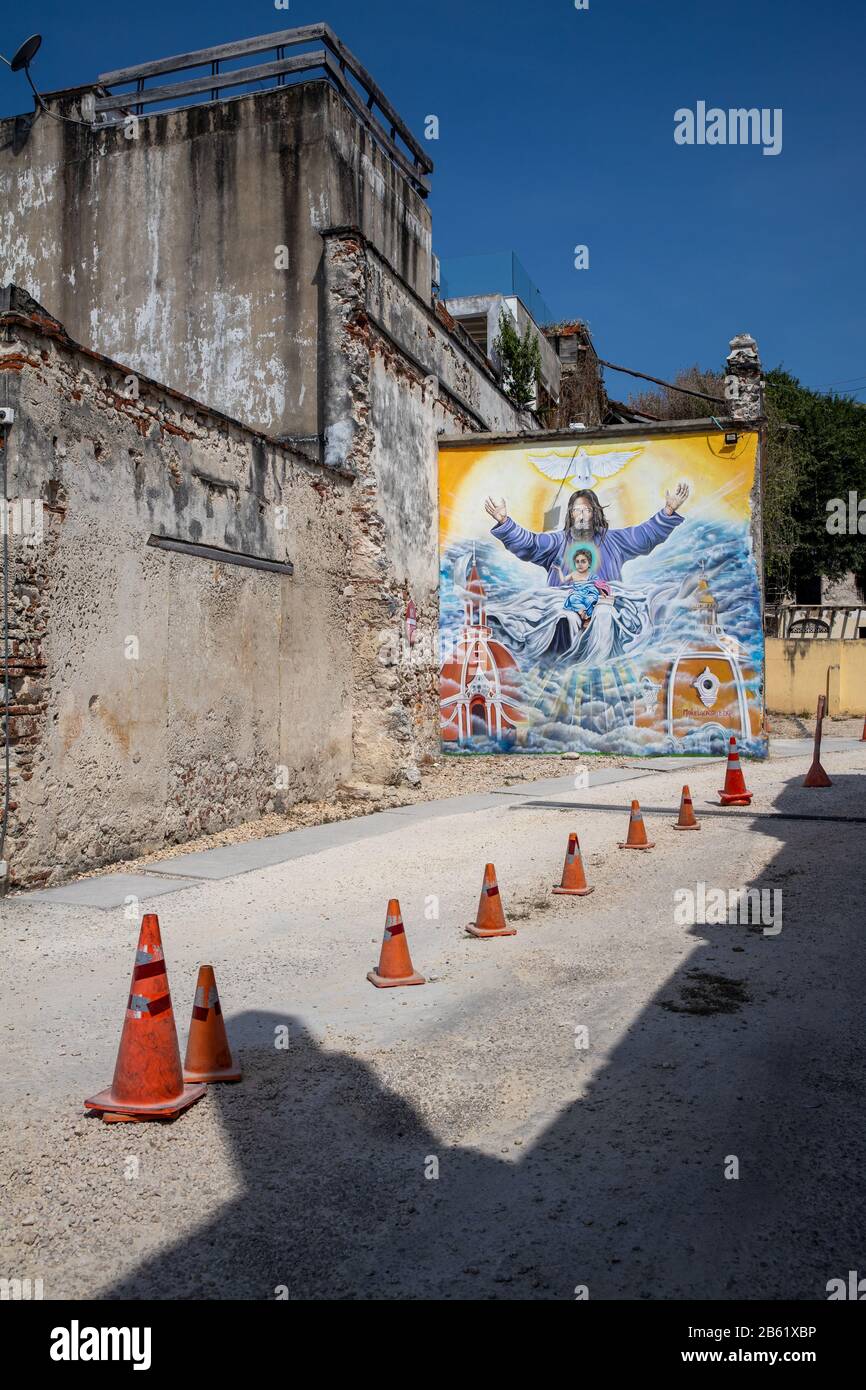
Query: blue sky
pixel 556 129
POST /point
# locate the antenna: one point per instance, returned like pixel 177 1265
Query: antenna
pixel 23 57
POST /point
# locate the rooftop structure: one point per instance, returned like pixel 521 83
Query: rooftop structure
pixel 173 219
pixel 495 272
pixel 226 376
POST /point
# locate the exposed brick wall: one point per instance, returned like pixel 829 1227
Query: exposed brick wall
pixel 397 377
pixel 236 699
pixel 30 577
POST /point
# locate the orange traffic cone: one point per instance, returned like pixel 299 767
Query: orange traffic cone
pixel 573 876
pixel 734 792
pixel 148 1081
pixel 636 838
pixel 687 819
pixel 208 1055
pixel 490 920
pixel 395 963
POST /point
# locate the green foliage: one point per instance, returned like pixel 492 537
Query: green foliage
pixel 786 467
pixel 823 458
pixel 815 452
pixel 520 359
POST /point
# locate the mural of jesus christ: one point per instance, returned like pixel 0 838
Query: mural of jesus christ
pixel 585 521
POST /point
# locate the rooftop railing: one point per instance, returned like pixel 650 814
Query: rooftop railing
pixel 370 104
pixel 844 621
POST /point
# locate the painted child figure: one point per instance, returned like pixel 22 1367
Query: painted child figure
pixel 584 591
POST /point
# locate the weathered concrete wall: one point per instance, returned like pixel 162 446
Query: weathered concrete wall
pixel 161 695
pixel 160 250
pixel 397 378
pixel 744 385
pixel 744 392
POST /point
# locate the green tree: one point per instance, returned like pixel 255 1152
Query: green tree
pixel 827 436
pixel 520 359
pixel 786 469
pixel 815 452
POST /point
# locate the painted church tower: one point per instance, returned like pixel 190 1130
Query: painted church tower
pixel 480 681
pixel 706 686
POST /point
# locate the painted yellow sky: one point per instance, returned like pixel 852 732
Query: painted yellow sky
pixel 720 479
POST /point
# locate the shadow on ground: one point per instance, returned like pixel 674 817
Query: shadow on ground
pixel 625 1191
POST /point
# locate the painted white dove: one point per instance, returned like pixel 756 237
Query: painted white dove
pixel 583 468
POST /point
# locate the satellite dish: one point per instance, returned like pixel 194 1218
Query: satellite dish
pixel 26 53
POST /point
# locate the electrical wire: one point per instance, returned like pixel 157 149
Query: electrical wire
pixel 70 120
pixel 42 109
pixel 683 390
pixel 841 381
pixel 816 390
pixel 565 475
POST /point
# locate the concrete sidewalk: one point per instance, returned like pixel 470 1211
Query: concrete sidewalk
pixel 111 890
pixel 558 1163
pixel 169 875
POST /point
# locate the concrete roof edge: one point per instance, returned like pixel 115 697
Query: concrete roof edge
pixel 66 94
pixel 701 426
pixel 479 361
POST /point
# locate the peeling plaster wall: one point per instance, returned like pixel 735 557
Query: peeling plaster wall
pixel 396 379
pixel 237 698
pixel 160 250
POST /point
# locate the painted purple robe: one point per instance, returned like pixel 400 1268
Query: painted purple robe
pixel 547 548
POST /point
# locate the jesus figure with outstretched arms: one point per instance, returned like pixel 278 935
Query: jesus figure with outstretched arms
pixel 585 521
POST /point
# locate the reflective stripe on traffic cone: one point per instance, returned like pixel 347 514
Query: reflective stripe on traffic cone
pixel 686 819
pixel 490 920
pixel 395 963
pixel 637 836
pixel 573 876
pixel 148 1082
pixel 735 791
pixel 208 1055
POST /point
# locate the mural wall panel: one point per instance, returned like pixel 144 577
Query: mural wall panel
pixel 601 596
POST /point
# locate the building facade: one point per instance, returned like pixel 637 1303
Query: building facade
pixel 223 357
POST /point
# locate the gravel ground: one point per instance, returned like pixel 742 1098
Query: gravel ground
pixel 440 777
pixel 803 726
pixel 559 1164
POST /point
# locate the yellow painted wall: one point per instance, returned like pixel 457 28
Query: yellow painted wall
pixel 798 671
